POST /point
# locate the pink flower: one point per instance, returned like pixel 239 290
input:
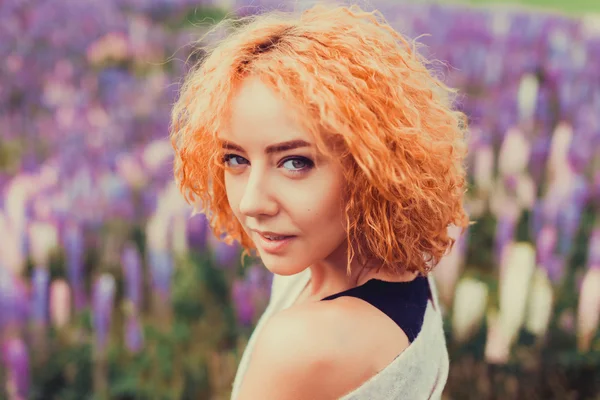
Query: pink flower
pixel 60 303
pixel 497 346
pixel 448 270
pixel 588 310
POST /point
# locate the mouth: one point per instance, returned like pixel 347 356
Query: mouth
pixel 275 238
pixel 274 242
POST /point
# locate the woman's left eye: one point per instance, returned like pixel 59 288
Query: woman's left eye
pixel 297 164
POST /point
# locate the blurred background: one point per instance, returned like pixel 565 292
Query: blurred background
pixel 109 288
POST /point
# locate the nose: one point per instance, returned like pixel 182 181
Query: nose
pixel 257 199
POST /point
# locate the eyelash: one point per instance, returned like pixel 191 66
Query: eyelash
pixel 309 163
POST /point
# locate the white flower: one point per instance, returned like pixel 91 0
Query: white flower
pixel 540 305
pixel 131 171
pixel 43 239
pixel 484 168
pixel 515 278
pixel 170 201
pixel 470 303
pixel 16 195
pixel 12 256
pixel 156 154
pixel 526 191
pixel 527 96
pixel 157 231
pixel 514 153
pixel 179 234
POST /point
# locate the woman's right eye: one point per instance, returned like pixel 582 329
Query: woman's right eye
pixel 233 160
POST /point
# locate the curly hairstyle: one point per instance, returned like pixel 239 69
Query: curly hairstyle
pixel 367 98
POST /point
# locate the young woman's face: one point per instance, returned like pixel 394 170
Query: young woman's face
pixel 288 198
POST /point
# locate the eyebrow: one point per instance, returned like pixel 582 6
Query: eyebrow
pixel 274 148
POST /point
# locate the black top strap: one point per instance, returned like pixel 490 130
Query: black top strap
pixel 404 302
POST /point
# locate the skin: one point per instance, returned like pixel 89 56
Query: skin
pixel 295 191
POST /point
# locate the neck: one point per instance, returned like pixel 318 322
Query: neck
pixel 330 276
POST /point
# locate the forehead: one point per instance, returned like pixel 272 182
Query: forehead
pixel 255 100
pixel 260 116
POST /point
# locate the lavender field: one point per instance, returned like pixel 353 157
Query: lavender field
pixel 111 287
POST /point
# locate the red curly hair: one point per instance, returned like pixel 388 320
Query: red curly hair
pixel 368 99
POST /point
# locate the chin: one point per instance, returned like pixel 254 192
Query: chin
pixel 284 266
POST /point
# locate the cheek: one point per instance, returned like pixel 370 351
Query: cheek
pixel 232 190
pixel 321 211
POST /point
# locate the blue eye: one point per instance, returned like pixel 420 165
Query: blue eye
pixel 297 164
pixel 233 160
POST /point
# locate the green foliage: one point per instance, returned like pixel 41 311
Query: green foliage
pixel 179 350
pixel 572 7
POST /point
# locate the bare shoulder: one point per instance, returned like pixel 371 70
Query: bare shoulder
pixel 318 351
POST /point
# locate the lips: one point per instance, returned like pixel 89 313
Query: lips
pixel 273 242
pixel 273 235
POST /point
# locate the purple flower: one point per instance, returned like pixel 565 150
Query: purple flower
pixel 16 361
pixel 134 336
pixel 132 269
pixel 569 214
pixel 580 152
pixel 505 231
pixel 241 294
pixel 569 217
pixel 161 270
pixel 580 194
pixel 545 244
pixel 539 154
pixel 197 231
pixel 14 301
pixel 259 280
pixel 102 306
pixel 74 247
pixel 225 255
pixel 40 282
pixel 555 267
pixel 593 256
pixel 595 191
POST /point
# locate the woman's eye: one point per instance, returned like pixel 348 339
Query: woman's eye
pixel 233 160
pixel 297 164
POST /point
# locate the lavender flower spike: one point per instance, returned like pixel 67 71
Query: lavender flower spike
pixel 102 306
pixel 16 361
pixel 197 231
pixel 73 242
pixel 134 336
pixel 161 269
pixel 40 282
pixel 593 257
pixel 242 301
pixel 14 301
pixel 225 255
pixel 132 269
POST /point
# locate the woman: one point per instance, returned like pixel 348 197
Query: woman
pixel 322 141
